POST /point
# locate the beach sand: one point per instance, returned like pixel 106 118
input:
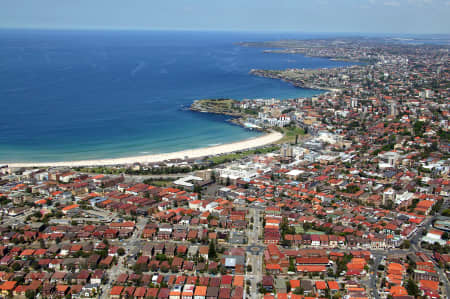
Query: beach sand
pixel 193 153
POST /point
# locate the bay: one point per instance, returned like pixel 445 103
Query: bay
pixel 73 95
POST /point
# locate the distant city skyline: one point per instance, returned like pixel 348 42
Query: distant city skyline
pixel 346 16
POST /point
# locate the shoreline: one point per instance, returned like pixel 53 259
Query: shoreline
pixel 263 74
pixel 266 139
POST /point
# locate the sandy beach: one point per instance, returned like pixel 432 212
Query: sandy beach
pixel 193 153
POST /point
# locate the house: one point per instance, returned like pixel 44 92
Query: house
pixel 268 283
pixel 212 293
pixel 308 286
pixel 203 251
pixel 62 290
pixel 314 270
pixel 116 292
pixel 424 206
pixel 70 209
pixel 88 290
pixel 200 292
pixel 188 291
pixel 333 286
pixel 7 288
pixel 97 277
pixel 430 288
pixel 140 292
pixel 224 293
pixel 163 293
pixel 175 292
pixel 273 268
pixel 321 286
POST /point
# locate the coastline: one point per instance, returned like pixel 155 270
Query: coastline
pixel 266 139
pixel 265 74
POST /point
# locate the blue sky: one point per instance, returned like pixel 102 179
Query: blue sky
pixel 372 16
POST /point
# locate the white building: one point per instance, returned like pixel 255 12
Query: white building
pixel 405 197
pixel 388 160
pixel 188 181
pixel 434 236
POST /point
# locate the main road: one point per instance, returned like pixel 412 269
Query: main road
pixel 254 258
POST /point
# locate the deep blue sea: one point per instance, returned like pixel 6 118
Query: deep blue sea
pixel 72 95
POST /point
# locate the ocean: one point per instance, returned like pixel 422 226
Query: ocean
pixel 77 95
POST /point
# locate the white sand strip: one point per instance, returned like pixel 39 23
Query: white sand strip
pixel 193 153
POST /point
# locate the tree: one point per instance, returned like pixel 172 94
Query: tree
pixel 419 128
pixel 299 291
pixel 411 267
pixel 35 265
pixel 30 294
pixel 291 265
pixel 307 226
pixel 337 295
pixel 154 267
pixel 121 251
pixel 352 189
pixel 16 267
pixel 212 250
pixel 412 288
pixel 406 244
pixel 446 212
pixel 42 243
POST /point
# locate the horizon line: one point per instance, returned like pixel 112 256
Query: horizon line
pixel 260 31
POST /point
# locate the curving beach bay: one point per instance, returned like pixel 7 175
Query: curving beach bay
pixel 192 153
pixel 96 101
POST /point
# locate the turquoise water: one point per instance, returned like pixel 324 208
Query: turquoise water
pixel 72 95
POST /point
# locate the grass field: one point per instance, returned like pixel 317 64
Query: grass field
pixel 290 133
pixel 234 156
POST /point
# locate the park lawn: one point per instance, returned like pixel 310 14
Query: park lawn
pixel 290 133
pixel 234 156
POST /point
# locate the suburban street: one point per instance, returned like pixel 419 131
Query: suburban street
pixel 131 249
pixel 254 259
